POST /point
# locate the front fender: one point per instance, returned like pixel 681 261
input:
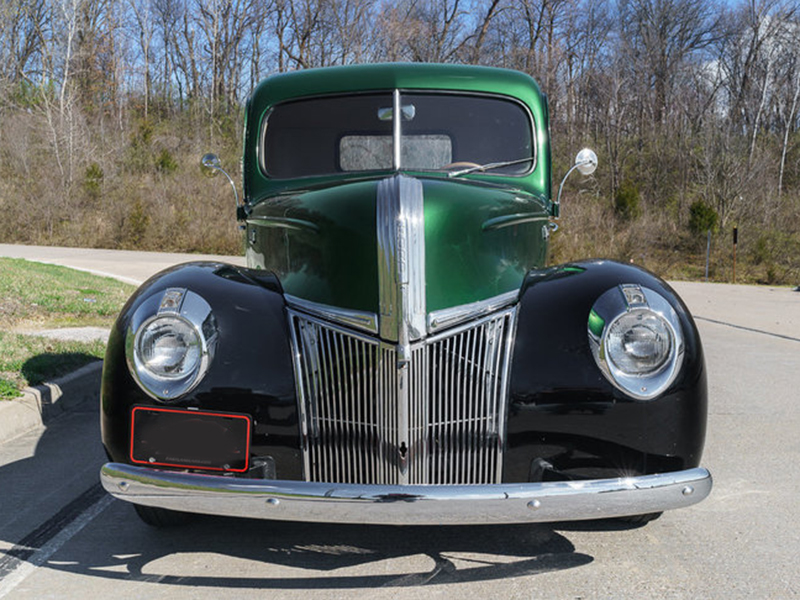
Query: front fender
pixel 251 372
pixel 562 409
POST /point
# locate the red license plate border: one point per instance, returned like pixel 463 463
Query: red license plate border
pixel 189 412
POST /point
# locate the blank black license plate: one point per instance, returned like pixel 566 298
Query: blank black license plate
pixel 190 439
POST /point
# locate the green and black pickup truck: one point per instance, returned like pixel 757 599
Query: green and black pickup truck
pixel 398 350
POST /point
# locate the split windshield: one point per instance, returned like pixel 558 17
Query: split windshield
pixel 439 132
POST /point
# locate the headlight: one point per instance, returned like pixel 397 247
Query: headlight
pixel 170 352
pixel 168 347
pixel 636 340
pixel 639 342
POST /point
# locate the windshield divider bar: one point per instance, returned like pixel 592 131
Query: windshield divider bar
pixel 396 130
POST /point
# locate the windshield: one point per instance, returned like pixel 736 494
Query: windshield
pixel 439 132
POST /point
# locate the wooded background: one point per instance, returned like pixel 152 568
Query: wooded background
pixel 107 105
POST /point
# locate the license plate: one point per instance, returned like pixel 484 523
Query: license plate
pixel 190 439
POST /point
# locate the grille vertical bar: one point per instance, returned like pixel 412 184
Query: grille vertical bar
pixel 352 409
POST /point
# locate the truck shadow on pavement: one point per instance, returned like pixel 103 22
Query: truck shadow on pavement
pixel 309 556
pixel 218 552
pixel 49 365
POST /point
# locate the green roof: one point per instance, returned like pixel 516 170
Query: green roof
pixel 373 77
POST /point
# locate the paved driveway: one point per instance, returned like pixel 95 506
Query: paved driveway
pixel 127 265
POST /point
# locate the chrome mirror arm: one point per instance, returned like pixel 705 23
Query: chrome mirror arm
pixel 211 165
pixel 557 207
pixel 586 163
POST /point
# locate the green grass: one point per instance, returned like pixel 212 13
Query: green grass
pixel 57 296
pixel 36 296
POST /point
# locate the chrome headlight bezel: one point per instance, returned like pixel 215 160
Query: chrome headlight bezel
pixel 177 309
pixel 631 303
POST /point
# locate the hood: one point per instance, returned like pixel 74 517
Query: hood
pixel 399 247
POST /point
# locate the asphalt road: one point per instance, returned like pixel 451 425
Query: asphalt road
pixel 61 537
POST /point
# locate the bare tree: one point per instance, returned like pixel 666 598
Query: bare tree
pixel 225 25
pixel 475 42
pixel 787 93
pixel 660 35
pixel 145 30
pixel 166 18
pixel 22 27
pixel 425 30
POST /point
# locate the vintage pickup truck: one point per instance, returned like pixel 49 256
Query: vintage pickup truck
pixel 397 350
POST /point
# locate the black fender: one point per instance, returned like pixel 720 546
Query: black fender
pixel 251 372
pixel 563 412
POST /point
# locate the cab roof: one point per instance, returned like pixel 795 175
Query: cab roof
pixel 390 76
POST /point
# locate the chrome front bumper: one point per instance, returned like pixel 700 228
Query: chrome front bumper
pixel 406 505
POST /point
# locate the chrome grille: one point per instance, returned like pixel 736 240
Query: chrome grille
pixel 361 425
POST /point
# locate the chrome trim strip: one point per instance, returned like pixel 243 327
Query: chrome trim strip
pixel 448 317
pixel 509 220
pixel 285 223
pixel 302 399
pixel 362 337
pixel 504 368
pixel 388 301
pixel 364 321
pixel 401 261
pixel 406 505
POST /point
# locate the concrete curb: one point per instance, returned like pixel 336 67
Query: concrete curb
pixel 42 403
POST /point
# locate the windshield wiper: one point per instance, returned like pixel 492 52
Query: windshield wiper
pixel 489 166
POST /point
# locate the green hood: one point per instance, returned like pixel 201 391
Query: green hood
pixel 325 243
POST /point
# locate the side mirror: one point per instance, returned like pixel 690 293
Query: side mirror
pixel 210 165
pixel 586 163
